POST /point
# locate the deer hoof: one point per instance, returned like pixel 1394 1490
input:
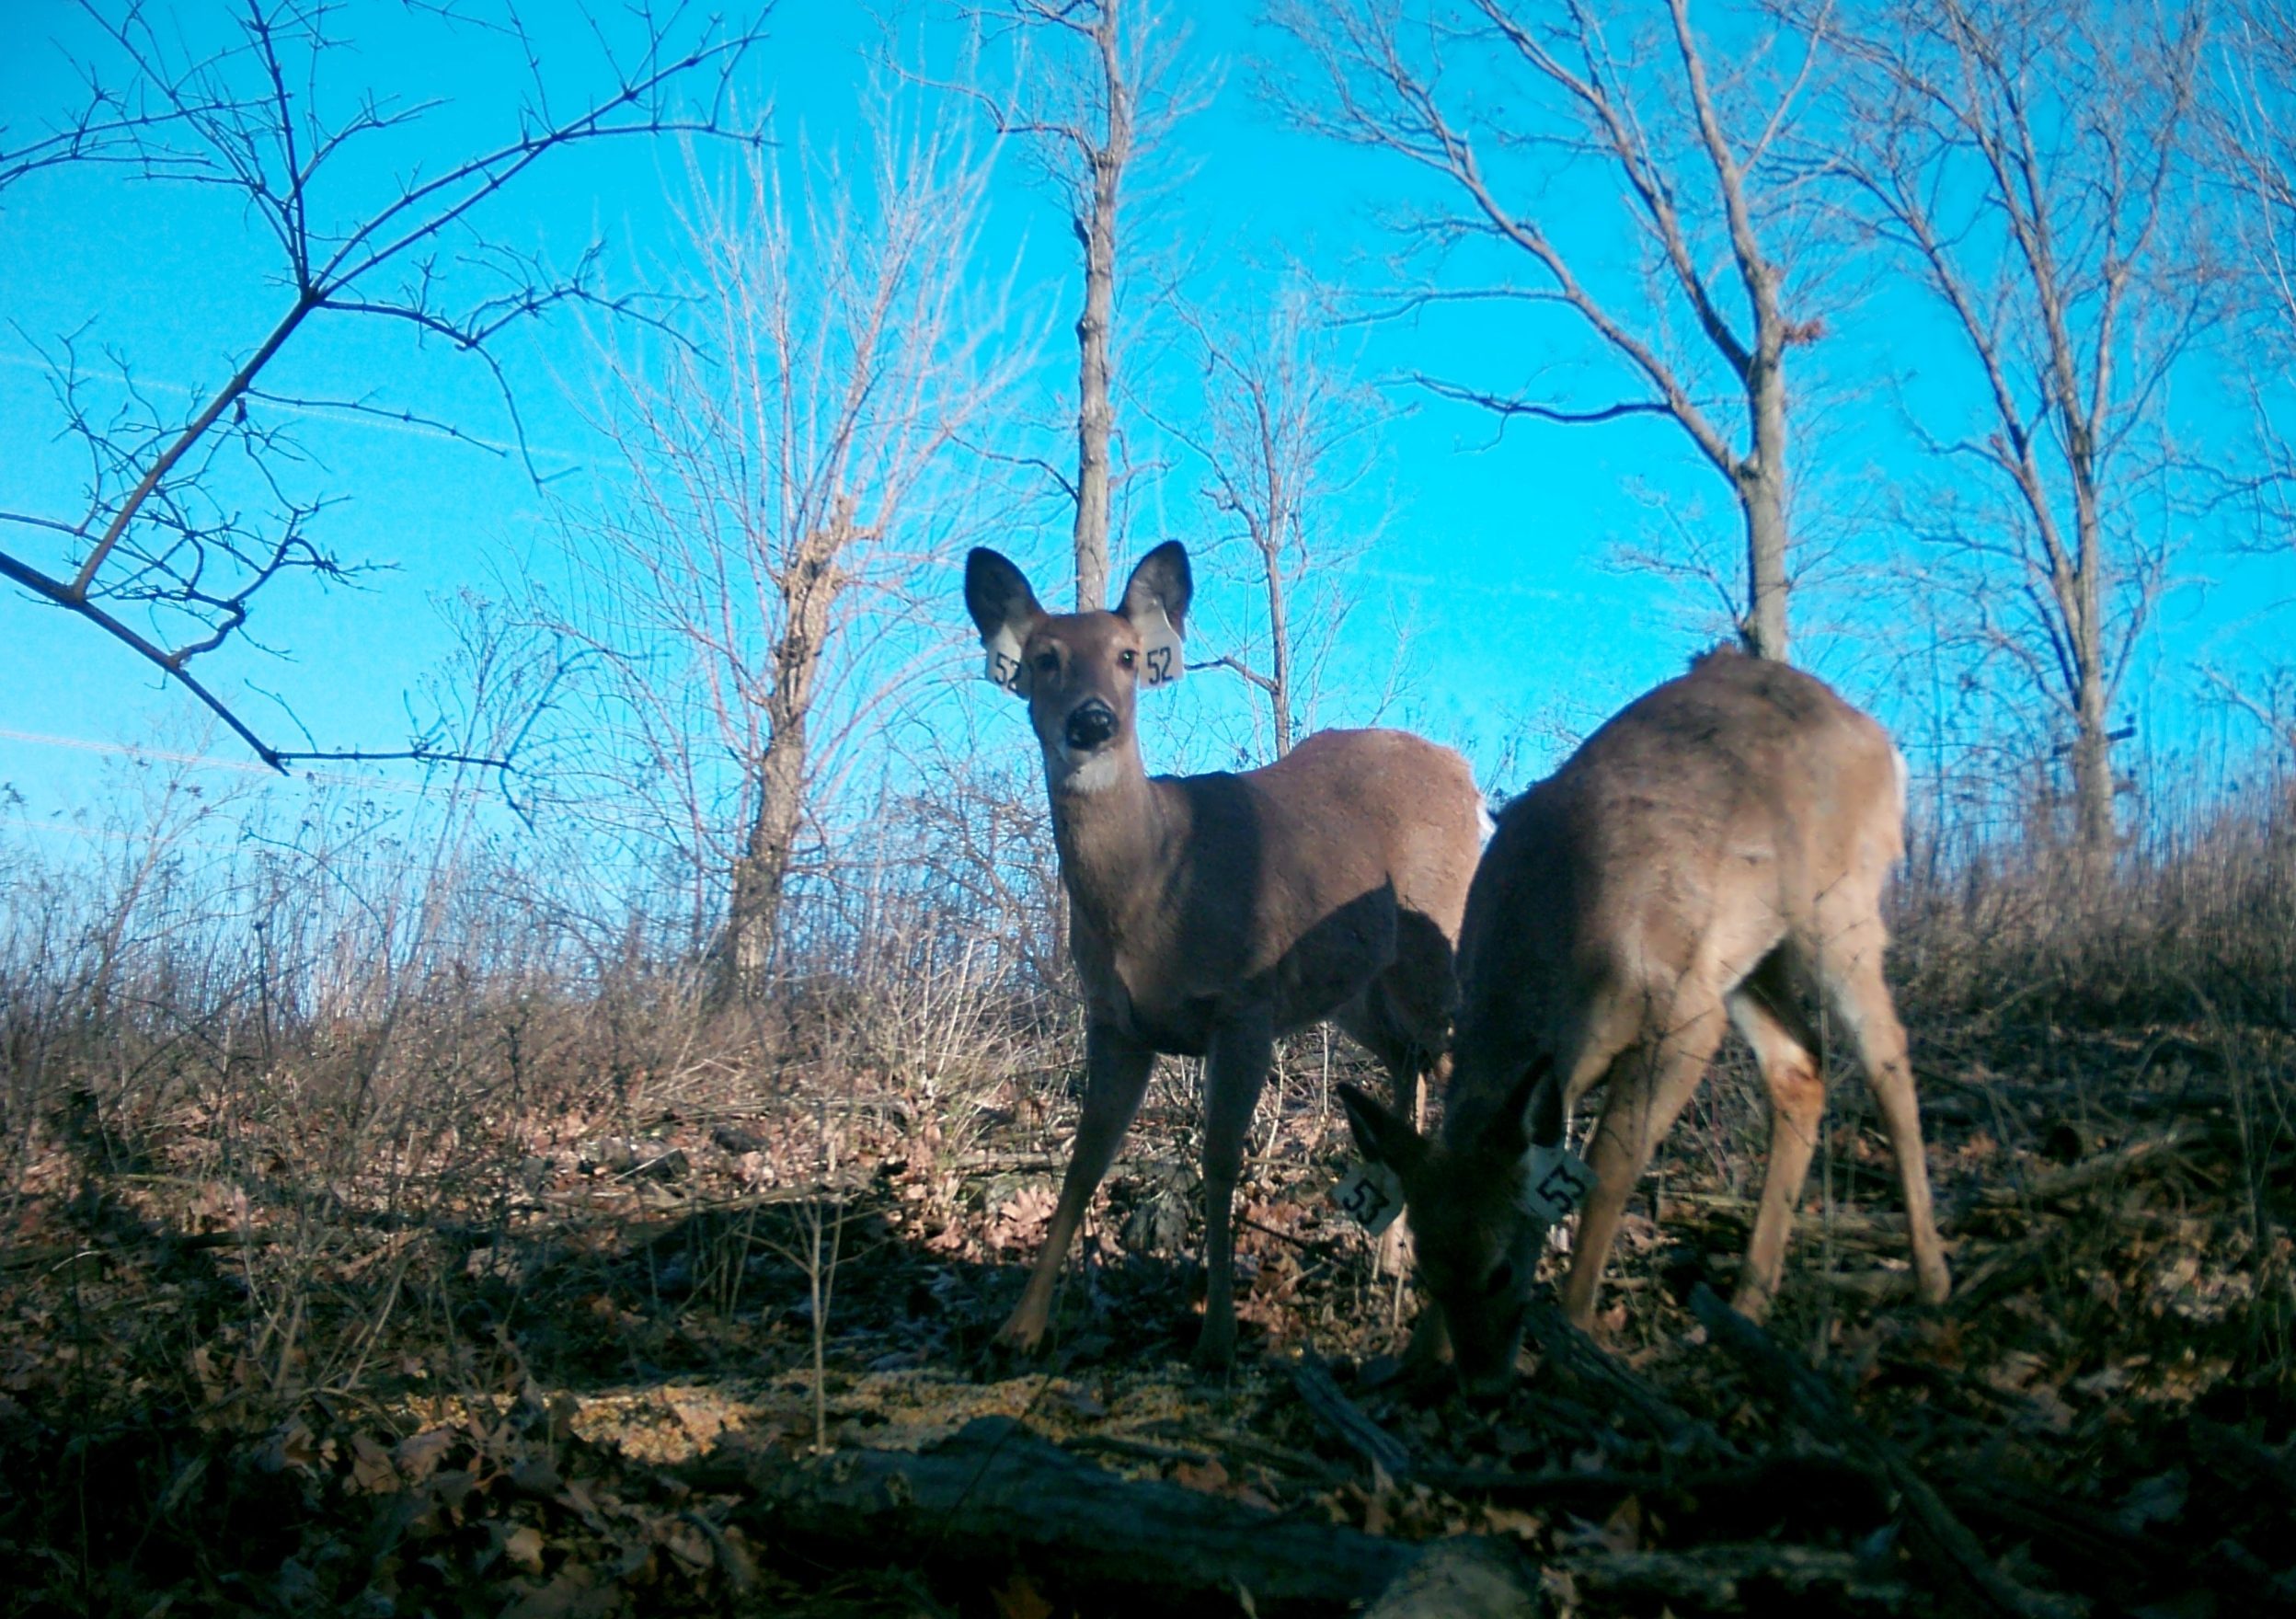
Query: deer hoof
pixel 1019 1335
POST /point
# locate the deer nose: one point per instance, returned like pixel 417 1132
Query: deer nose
pixel 1091 725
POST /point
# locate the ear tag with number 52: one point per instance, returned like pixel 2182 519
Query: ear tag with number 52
pixel 1371 1196
pixel 1556 1181
pixel 1003 666
pixel 1161 663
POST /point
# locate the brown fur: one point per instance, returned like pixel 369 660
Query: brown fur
pixel 1211 913
pixel 1715 852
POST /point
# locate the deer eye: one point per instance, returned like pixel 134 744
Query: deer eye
pixel 1048 663
pixel 1128 658
pixel 1501 1275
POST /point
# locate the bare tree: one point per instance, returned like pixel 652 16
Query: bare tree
pixel 2253 123
pixel 752 576
pixel 1503 105
pixel 189 516
pixel 1099 86
pixel 2030 160
pixel 1282 435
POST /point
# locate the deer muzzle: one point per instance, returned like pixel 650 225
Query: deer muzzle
pixel 1092 724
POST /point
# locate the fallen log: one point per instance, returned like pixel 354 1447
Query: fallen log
pixel 1821 1409
pixel 1583 1361
pixel 2256 1465
pixel 1471 1577
pixel 994 1493
pixel 1322 1396
pixel 1717 1576
pixel 1756 1495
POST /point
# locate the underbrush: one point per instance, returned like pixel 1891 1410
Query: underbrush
pixel 418 1257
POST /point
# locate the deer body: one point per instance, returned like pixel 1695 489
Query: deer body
pixel 1211 913
pixel 1715 851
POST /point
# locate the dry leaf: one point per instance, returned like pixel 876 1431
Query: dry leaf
pixel 1621 1530
pixel 1020 1599
pixel 418 1455
pixel 1209 1477
pixel 522 1546
pixel 370 1470
pixel 1513 1520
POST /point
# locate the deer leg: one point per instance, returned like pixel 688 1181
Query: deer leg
pixel 1234 1069
pixel 1763 1010
pixel 1116 1077
pixel 1648 1084
pixel 1859 998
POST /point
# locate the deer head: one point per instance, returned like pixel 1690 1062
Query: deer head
pixel 1475 1220
pixel 1082 672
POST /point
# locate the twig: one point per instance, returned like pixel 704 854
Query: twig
pixel 2089 1171
pixel 1819 1407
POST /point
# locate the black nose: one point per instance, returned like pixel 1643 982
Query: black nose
pixel 1091 725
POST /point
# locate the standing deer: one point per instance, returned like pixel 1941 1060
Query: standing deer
pixel 1211 914
pixel 1716 850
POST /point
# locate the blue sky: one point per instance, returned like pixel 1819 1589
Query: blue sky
pixel 1489 549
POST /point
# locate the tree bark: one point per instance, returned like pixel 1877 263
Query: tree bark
pixel 1096 415
pixel 1761 482
pixel 1279 641
pixel 1763 505
pixel 810 588
pixel 995 1492
pixel 2091 742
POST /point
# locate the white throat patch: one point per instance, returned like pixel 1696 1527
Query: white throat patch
pixel 1095 774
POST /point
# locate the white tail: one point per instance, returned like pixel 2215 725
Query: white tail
pixel 1717 851
pixel 1211 914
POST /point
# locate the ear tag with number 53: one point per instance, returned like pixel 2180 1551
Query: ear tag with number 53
pixel 1556 1181
pixel 1371 1196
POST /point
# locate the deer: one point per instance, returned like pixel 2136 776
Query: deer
pixel 1713 854
pixel 1210 915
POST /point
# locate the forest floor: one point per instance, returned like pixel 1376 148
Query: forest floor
pixel 685 1350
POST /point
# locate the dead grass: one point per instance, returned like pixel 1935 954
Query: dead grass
pixel 386 1242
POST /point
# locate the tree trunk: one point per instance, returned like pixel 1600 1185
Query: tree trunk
pixel 1095 414
pixel 2085 620
pixel 1278 647
pixel 810 588
pixel 759 875
pixel 1762 497
pixel 2091 756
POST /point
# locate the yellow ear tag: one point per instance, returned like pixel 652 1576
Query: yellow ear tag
pixel 1003 666
pixel 1160 660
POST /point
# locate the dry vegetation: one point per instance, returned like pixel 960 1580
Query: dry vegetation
pixel 384 1236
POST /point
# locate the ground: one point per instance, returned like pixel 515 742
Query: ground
pixel 526 1351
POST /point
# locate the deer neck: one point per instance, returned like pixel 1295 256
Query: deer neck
pixel 1111 825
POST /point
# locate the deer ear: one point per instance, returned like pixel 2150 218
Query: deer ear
pixel 1381 1135
pixel 1155 603
pixel 1005 611
pixel 1533 1113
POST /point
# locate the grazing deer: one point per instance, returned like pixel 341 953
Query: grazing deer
pixel 1714 851
pixel 1211 914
